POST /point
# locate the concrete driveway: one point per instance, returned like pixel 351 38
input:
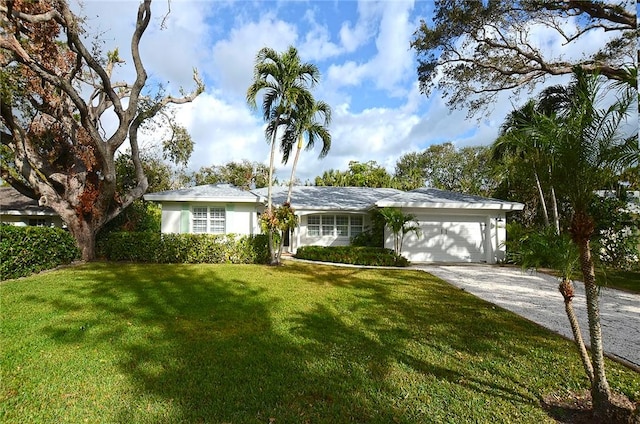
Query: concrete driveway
pixel 535 296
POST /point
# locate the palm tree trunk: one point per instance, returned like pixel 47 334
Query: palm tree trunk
pixel 271 160
pixel 293 168
pixel 566 289
pixel 272 247
pixel 582 227
pixel 554 205
pixel 542 201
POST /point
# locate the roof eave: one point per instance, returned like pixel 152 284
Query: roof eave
pixel 199 199
pixel 448 205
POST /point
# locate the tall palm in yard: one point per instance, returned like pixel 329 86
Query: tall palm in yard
pixel 586 142
pixel 285 82
pixel 304 123
pixel 519 141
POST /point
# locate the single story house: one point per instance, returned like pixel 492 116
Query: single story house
pixel 454 227
pixel 20 210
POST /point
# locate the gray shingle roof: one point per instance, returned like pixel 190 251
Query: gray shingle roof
pixel 329 198
pixel 434 198
pixel 336 198
pixel 14 203
pixel 203 193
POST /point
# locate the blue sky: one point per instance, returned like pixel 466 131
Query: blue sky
pixel 368 75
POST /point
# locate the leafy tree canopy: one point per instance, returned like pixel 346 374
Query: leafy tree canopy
pixel 244 174
pixel 443 166
pixel 367 174
pixel 474 49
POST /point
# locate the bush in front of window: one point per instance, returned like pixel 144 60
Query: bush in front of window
pixel 355 255
pixel 183 248
pixel 25 250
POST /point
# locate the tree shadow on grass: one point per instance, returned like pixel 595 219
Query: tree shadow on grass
pixel 203 344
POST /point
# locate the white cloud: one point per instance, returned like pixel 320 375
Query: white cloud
pixel 393 61
pixel 317 43
pixel 234 58
pixel 222 132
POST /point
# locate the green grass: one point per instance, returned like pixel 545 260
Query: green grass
pixel 623 280
pixel 120 343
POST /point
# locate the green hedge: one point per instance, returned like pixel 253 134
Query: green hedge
pixel 183 248
pixel 356 255
pixel 25 250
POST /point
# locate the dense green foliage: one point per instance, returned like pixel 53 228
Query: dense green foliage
pixel 373 235
pixel 446 167
pixel 245 174
pixel 139 216
pixel 368 174
pixel 355 255
pixel 131 343
pixel 24 250
pixel 541 248
pixel 151 246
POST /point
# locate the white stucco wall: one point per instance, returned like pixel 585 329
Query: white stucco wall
pixel 239 218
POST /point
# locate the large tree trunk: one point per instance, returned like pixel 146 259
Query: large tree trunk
pixel 582 227
pixel 566 289
pixel 85 237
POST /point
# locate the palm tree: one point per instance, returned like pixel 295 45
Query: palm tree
pixel 522 142
pixel 400 225
pixel 304 122
pixel 586 143
pixel 286 83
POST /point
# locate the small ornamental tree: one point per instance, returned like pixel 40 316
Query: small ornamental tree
pixel 400 225
pixel 276 222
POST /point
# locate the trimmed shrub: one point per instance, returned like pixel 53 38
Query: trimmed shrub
pixel 355 255
pixel 183 248
pixel 25 250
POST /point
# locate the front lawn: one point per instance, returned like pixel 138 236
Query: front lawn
pixel 124 343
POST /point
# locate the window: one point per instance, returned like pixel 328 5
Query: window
pixel 208 220
pixel 199 220
pixel 313 225
pixel 342 226
pixel 334 225
pixel 37 222
pixel 356 225
pixel 217 220
pixel 327 225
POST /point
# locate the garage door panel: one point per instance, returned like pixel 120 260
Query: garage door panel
pixel 447 239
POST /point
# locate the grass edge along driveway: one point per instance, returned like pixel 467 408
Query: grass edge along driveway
pixel 108 342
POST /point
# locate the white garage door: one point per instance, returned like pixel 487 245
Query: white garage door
pixel 447 239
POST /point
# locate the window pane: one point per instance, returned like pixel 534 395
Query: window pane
pixel 313 220
pixel 199 220
pixel 342 226
pixel 313 225
pixel 356 225
pixel 327 225
pixel 217 220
